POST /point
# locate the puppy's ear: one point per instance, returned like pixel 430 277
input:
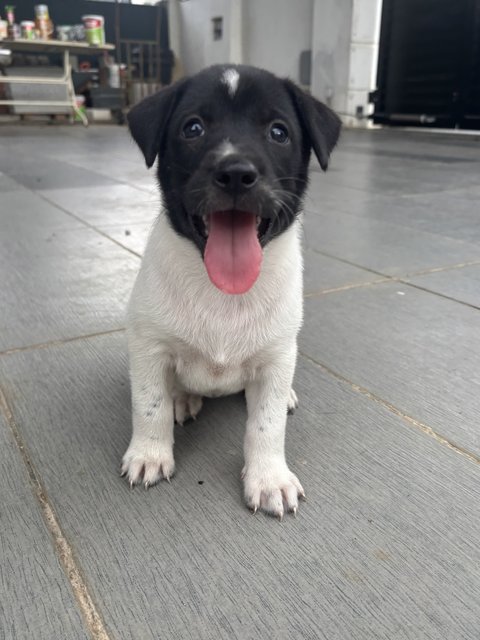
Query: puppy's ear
pixel 148 120
pixel 320 124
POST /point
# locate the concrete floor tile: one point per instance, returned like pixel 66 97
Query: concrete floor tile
pixel 58 282
pixel 386 247
pixel 460 284
pixel 322 273
pixel 387 544
pixel 133 236
pixel 409 347
pixel 389 512
pixel 8 184
pixel 39 173
pixel 36 599
pixel 116 205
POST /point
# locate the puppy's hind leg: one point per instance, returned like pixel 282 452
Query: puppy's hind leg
pixel 149 457
pixel 187 406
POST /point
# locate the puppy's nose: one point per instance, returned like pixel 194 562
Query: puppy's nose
pixel 235 176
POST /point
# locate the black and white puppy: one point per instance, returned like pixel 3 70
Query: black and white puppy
pixel 217 304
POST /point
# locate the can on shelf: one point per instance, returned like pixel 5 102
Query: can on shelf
pixel 41 12
pixel 27 28
pixel 13 31
pixel 94 29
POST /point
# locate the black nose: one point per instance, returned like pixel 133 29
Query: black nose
pixel 235 176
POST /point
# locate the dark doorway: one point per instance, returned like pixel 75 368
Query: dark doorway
pixel 429 64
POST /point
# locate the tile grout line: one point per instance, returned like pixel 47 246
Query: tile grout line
pixel 346 287
pixel 437 293
pixel 403 279
pixel 62 548
pixel 426 272
pixel 345 261
pixel 421 272
pixel 57 343
pixel 388 279
pixel 421 426
pixel 117 180
pixel 87 224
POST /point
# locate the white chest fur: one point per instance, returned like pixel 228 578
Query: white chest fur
pixel 215 341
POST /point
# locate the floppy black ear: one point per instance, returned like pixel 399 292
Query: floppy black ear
pixel 148 120
pixel 319 122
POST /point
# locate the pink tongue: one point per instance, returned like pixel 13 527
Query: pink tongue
pixel 233 254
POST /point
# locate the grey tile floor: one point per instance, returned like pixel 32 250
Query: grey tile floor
pixel 386 440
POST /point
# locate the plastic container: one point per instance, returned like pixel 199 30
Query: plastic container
pixel 13 31
pixel 114 76
pixel 94 29
pixel 63 32
pixel 3 29
pixel 41 12
pixel 80 104
pixel 77 33
pixel 27 28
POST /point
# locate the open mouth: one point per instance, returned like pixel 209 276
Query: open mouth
pixel 233 252
pixel 202 226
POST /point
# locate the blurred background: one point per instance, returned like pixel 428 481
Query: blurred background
pixel 395 62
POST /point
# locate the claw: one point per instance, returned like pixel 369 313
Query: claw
pixel 147 484
pixel 280 516
pixel 303 497
pixel 254 510
pixel 122 473
pixel 167 478
pixel 131 484
pixel 294 511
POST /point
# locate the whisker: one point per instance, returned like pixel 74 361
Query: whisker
pixel 295 178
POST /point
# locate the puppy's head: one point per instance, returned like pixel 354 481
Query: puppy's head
pixel 234 144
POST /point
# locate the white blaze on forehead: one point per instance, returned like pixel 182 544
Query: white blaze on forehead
pixel 231 77
pixel 224 149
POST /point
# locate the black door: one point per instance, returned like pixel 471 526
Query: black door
pixel 429 64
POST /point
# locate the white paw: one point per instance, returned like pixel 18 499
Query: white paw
pixel 273 488
pixel 187 406
pixel 292 401
pixel 148 462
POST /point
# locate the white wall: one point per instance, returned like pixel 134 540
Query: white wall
pixel 265 33
pixel 365 37
pixel 346 35
pixel 331 51
pixel 342 34
pixel 275 32
pixel 194 17
pixel 198 49
pixel 217 51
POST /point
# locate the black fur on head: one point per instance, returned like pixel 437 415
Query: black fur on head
pixel 233 138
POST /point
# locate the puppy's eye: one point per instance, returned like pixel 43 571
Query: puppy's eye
pixel 193 128
pixel 279 133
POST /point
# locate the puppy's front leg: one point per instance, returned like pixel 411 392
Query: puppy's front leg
pixel 149 457
pixel 268 482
